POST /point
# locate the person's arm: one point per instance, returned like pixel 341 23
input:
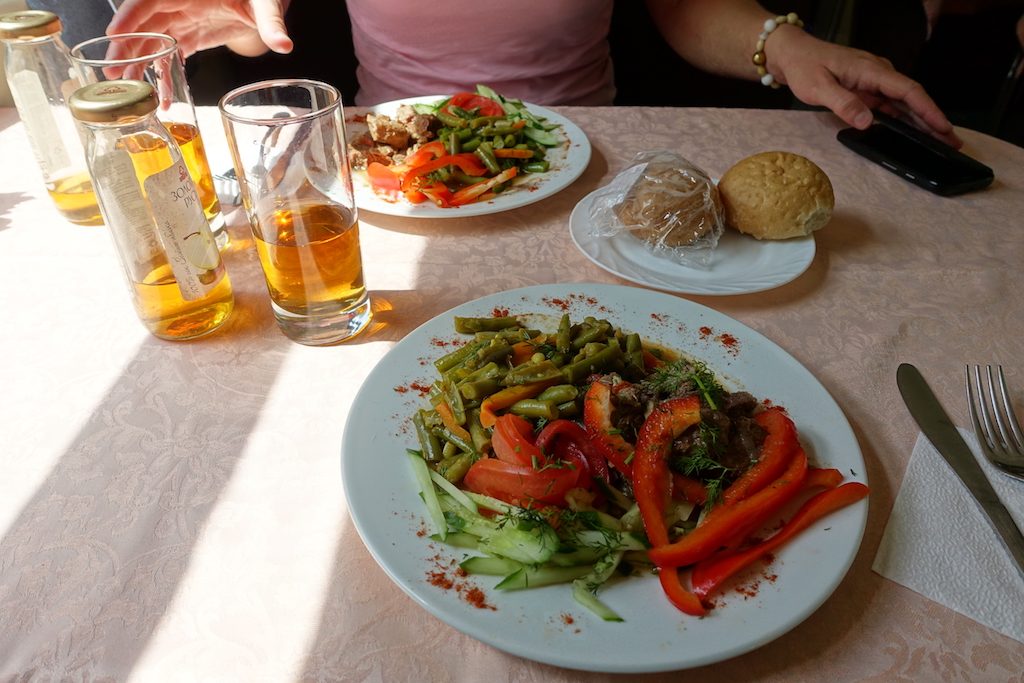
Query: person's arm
pixel 719 36
pixel 248 27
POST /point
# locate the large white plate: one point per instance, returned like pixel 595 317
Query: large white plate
pixel 567 164
pixel 739 264
pixel 388 513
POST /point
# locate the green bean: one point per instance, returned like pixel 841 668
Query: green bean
pixel 537 167
pixel 563 339
pixel 450 436
pixel 471 144
pixel 530 372
pixel 484 120
pixel 510 139
pixel 634 354
pixel 458 356
pixel 598 330
pixel 568 409
pixel 429 443
pixel 453 398
pixel 560 393
pixel 449 449
pixel 531 407
pixel 497 350
pixel 479 389
pixel 488 371
pixel 485 152
pixel 463 177
pixel 454 469
pixel 481 437
pixel 578 371
pixel 471 325
pixel 454 143
pixel 449 120
pixel 461 113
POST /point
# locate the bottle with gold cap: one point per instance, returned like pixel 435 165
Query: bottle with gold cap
pixel 151 205
pixel 41 77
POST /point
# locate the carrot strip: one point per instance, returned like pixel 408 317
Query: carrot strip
pixel 506 397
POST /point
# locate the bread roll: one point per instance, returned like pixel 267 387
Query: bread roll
pixel 776 196
pixel 671 205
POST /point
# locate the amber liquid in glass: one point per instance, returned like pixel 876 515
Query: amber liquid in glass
pixel 158 298
pixel 75 199
pixel 310 257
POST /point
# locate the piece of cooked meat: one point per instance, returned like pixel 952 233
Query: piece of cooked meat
pixel 385 130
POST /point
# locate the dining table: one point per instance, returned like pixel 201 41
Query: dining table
pixel 175 511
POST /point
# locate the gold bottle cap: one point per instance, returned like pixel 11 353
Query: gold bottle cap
pixel 28 24
pixel 112 101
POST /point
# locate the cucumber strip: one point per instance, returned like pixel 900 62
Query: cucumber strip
pixel 533 577
pixel 429 495
pixel 459 539
pixel 453 491
pixel 578 557
pixel 584 589
pixel 492 504
pixel 542 137
pixel 491 566
pixel 608 540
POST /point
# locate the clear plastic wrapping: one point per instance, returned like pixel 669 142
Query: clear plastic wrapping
pixel 666 202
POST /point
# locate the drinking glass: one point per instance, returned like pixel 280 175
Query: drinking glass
pixel 155 58
pixel 287 139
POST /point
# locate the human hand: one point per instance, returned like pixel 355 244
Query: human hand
pixel 248 27
pixel 852 82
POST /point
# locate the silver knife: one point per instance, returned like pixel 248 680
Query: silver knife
pixel 937 426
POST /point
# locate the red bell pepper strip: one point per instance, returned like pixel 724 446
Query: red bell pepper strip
pixel 683 599
pixel 423 154
pixel 559 431
pixel 519 484
pixel 512 441
pixel 709 574
pixel 652 481
pixel 724 523
pixel 776 452
pixel 689 489
pixel 383 178
pixel 468 163
pixel 473 192
pixel 597 416
pixel 821 478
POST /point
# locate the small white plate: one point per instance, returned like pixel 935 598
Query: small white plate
pixel 739 264
pixel 568 162
pixel 546 624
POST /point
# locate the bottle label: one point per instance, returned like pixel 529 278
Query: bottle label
pixel 125 208
pixel 43 134
pixel 184 230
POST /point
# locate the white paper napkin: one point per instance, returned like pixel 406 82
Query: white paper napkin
pixel 938 543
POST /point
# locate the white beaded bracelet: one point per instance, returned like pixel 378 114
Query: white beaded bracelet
pixel 760 59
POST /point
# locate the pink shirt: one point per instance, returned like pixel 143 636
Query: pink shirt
pixel 540 51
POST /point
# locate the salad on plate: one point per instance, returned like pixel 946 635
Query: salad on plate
pixel 466 148
pixel 557 451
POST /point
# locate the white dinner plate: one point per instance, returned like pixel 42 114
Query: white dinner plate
pixel 568 162
pixel 546 624
pixel 739 264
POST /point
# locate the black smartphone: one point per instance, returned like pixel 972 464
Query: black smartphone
pixel 917 156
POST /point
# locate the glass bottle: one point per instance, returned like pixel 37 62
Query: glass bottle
pixel 41 77
pixel 150 203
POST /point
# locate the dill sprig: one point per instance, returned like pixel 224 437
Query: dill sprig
pixel 701 462
pixel 686 374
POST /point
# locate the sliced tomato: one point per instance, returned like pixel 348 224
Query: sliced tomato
pixel 470 101
pixel 513 442
pixel 519 484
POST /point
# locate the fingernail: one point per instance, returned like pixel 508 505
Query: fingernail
pixel 862 120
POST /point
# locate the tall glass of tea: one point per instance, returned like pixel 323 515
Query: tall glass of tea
pixel 287 139
pixel 156 59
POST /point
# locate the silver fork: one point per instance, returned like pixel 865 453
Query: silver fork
pixel 995 423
